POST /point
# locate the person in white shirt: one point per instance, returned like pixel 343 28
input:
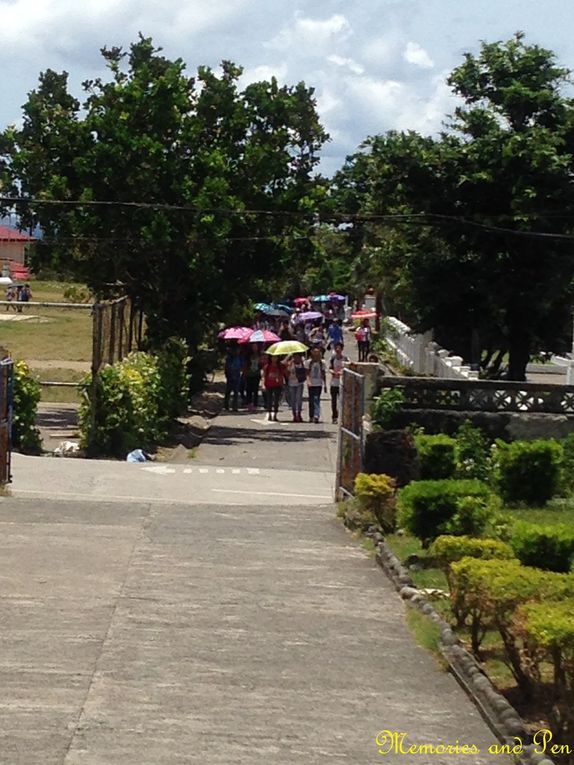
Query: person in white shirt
pixel 296 376
pixel 336 368
pixel 316 378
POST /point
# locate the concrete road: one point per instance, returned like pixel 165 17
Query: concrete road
pixel 150 633
pixel 208 613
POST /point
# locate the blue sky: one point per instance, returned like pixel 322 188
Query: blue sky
pixel 375 64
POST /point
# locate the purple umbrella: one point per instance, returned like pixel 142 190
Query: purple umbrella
pixel 339 298
pixel 310 316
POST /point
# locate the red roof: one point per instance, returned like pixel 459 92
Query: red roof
pixel 8 234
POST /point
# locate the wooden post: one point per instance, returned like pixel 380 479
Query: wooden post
pixel 96 365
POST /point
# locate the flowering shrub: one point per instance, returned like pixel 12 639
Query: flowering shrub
pixel 27 391
pixel 135 400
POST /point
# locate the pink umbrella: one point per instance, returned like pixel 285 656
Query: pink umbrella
pixel 301 301
pixel 260 336
pixel 235 333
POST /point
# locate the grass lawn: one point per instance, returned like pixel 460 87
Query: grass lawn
pixel 65 335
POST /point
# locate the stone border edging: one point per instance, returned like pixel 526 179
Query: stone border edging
pixel 502 718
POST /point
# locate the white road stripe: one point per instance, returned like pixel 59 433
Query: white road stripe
pixel 253 471
pixel 272 494
pixel 219 470
pixel 203 470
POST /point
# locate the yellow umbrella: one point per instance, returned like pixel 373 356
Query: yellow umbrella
pixel 286 347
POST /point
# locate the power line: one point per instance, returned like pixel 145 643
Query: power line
pixel 421 218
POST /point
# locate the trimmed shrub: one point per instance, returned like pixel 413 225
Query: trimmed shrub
pixel 436 456
pixel 375 494
pixel 26 395
pixel 472 453
pixel 547 634
pixel 547 547
pixel 528 471
pixel 488 592
pixel 428 509
pixel 450 549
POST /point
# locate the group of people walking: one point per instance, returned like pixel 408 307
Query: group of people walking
pixel 248 373
pixel 18 295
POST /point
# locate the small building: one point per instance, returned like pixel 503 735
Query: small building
pixel 13 246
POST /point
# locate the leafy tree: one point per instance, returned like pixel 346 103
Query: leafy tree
pixel 207 184
pixel 475 268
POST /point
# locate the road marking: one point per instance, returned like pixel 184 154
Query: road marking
pixel 220 470
pixel 188 471
pixel 160 469
pixel 203 470
pixel 272 494
pixel 236 471
pixel 253 471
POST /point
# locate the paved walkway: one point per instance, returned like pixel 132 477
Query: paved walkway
pixel 174 623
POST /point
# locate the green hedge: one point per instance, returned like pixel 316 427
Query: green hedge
pixel 136 400
pixel 428 509
pixel 547 547
pixel 546 632
pixel 528 471
pixel 488 593
pixel 437 456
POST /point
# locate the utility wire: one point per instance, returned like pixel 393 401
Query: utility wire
pixel 422 218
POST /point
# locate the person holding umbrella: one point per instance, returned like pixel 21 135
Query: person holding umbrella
pixel 296 376
pixel 233 368
pixel 273 380
pixel 252 376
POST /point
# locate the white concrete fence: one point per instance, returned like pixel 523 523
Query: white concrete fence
pixel 423 356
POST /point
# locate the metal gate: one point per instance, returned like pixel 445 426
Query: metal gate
pixel 350 447
pixel 6 395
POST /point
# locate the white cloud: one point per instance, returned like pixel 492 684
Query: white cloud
pixel 348 63
pixel 306 35
pixel 418 56
pixel 264 72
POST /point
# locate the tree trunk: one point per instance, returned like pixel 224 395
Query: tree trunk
pixel 519 354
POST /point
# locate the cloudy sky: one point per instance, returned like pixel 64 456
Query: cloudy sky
pixel 375 64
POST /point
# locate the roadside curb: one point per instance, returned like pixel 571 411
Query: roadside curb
pixel 503 719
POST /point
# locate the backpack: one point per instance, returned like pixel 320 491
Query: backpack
pixel 300 373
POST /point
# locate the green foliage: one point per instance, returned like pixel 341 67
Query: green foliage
pixel 26 395
pixel 77 293
pixel 135 401
pixel 567 477
pixel 546 632
pixel 375 494
pixel 449 549
pixel 436 456
pixel 386 405
pixel 472 453
pixel 173 363
pixel 488 593
pixel 210 146
pixel 506 161
pixel 527 471
pixel 547 547
pixel 428 509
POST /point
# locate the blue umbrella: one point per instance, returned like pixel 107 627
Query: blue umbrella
pixel 263 307
pixel 283 307
pixel 322 299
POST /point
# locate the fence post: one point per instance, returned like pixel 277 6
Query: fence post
pixel 96 365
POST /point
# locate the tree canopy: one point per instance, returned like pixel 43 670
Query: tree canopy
pixel 182 191
pixel 486 259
